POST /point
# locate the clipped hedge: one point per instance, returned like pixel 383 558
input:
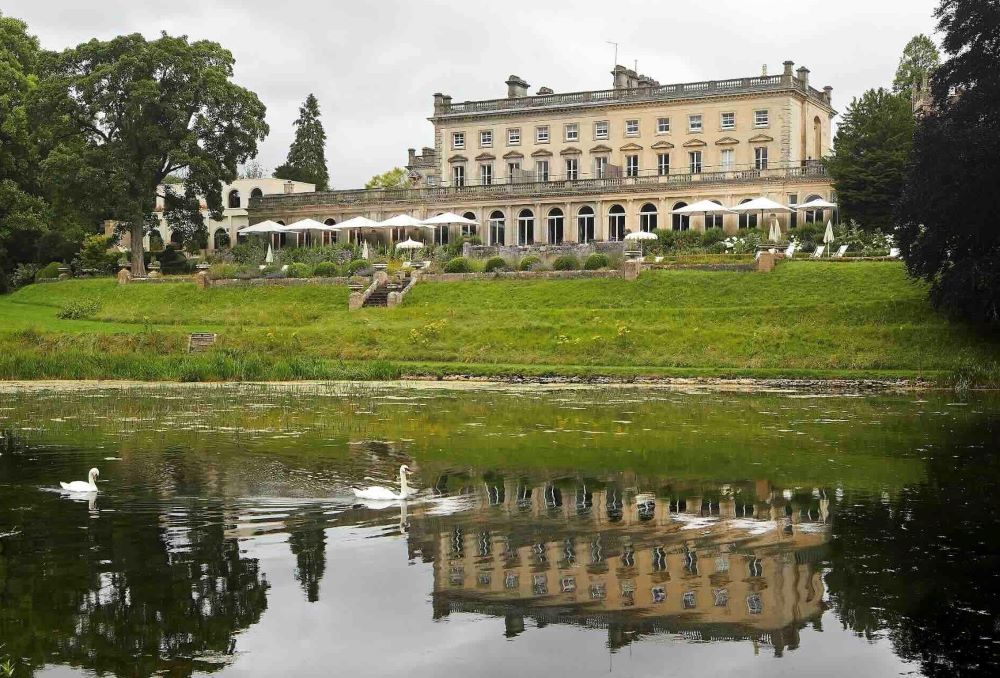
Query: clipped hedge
pixel 529 262
pixel 357 265
pixel 49 271
pixel 299 270
pixel 566 262
pixel 326 269
pixel 596 261
pixel 495 264
pixel 458 265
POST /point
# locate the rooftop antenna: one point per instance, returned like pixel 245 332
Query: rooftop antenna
pixel 616 53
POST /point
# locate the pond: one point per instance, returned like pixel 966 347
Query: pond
pixel 624 531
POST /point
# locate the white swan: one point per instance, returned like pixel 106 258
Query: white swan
pixel 80 486
pixel 384 493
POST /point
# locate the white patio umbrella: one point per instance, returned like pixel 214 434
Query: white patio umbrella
pixel 269 257
pixel 401 221
pixel 357 223
pixel 310 225
pixel 364 251
pixel 703 207
pixel 828 236
pixel 263 227
pixel 411 245
pixel 641 235
pixel 761 205
pixel 449 218
pixel 774 234
pixel 816 204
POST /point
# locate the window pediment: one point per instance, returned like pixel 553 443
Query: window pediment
pixel 458 158
pixel 513 155
pixel 662 145
pixel 572 150
pixel 694 143
pixel 631 147
pixel 483 157
pixel 761 139
pixel 727 141
pixel 541 153
pixel 601 148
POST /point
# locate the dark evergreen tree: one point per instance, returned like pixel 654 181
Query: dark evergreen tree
pixel 870 156
pixel 947 218
pixel 307 155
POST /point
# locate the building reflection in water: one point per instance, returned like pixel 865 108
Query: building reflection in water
pixel 743 564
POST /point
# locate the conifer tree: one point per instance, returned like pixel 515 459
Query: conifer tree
pixel 307 155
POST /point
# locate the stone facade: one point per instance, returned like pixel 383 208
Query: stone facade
pixel 556 168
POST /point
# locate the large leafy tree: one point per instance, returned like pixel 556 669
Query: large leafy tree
pixel 920 58
pixel 948 213
pixel 151 108
pixel 306 159
pixel 394 178
pixel 870 156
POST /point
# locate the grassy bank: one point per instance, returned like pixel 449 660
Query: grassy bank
pixel 805 320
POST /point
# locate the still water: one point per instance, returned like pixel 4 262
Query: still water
pixel 584 532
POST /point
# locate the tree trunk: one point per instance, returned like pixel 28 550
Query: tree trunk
pixel 138 264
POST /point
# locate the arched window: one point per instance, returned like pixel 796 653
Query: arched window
pixel 525 227
pixel 814 216
pixel 220 240
pixel 155 241
pixel 713 220
pixel 330 222
pixel 497 228
pixel 469 230
pixel 234 199
pixel 555 226
pixel 747 220
pixel 647 217
pixel 585 224
pixel 680 222
pixel 256 193
pixel 616 223
pixel 330 236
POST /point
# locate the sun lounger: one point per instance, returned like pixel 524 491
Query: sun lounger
pixel 790 252
pixel 894 253
pixel 839 254
pixel 819 252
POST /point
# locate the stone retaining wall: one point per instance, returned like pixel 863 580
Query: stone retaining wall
pixel 277 282
pixel 519 275
pixel 547 252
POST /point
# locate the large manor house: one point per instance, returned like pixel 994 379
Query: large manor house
pixel 551 168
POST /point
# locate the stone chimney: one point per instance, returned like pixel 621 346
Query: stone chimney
pixel 802 73
pixel 516 87
pixel 621 77
pixel 412 155
pixel 545 91
pixel 828 95
pixel 438 103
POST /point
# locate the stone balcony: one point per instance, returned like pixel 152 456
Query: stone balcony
pixel 498 192
pixel 445 108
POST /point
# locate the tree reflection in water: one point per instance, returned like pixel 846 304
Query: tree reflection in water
pixel 307 540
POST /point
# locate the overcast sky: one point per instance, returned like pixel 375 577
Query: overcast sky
pixel 374 66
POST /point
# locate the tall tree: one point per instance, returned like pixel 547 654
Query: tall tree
pixel 920 58
pixel 948 214
pixel 394 178
pixel 307 155
pixel 151 108
pixel 870 156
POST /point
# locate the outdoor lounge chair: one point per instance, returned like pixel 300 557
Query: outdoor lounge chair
pixel 839 254
pixel 894 253
pixel 790 252
pixel 819 251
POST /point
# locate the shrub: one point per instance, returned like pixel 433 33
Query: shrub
pixel 96 253
pixel 223 271
pixel 711 237
pixel 596 261
pixel 76 310
pixel 48 272
pixel 529 263
pixel 326 269
pixel 495 264
pixel 249 252
pixel 357 266
pixel 458 265
pixel 23 275
pixel 299 270
pixel 566 262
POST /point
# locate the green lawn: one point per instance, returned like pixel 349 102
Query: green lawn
pixel 805 319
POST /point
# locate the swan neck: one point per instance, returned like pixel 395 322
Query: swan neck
pixel 403 488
